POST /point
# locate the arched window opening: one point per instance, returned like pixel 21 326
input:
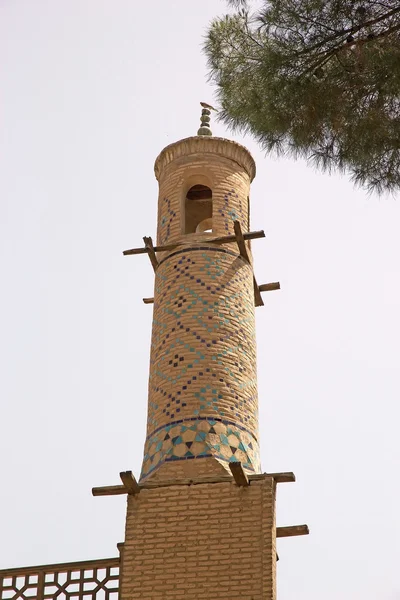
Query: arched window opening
pixel 198 209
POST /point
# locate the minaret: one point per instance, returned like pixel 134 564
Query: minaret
pixel 202 408
pixel 201 521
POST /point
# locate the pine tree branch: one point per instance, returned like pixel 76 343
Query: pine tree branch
pixel 340 48
pixel 347 121
pixel 351 30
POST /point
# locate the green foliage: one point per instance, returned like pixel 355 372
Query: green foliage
pixel 315 78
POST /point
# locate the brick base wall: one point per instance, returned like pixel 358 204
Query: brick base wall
pixel 211 540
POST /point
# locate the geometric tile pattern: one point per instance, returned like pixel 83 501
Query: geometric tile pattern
pixel 91 580
pixel 200 438
pixel 203 350
pixel 203 358
pixel 233 211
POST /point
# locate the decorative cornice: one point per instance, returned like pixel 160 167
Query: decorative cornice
pixel 206 145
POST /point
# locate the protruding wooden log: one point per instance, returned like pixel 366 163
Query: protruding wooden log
pixel 109 490
pixel 288 477
pixel 251 235
pixel 292 531
pixel 148 242
pixel 239 475
pixel 130 482
pixel 116 490
pixel 269 287
pixel 240 241
pixel 258 301
pixel 227 239
pixel 148 300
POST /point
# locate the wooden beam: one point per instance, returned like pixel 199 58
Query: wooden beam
pixel 116 490
pixel 130 482
pixel 148 242
pixel 109 490
pixel 139 251
pixel 258 301
pixel 240 241
pixel 227 239
pixel 239 238
pixel 239 475
pixel 291 531
pixel 283 477
pixel 269 287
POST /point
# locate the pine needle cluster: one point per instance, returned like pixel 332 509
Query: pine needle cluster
pixel 315 78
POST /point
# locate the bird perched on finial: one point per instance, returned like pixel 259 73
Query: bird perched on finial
pixel 205 119
pixel 208 106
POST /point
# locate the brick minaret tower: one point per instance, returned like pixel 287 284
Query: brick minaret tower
pixel 202 410
pixel 201 521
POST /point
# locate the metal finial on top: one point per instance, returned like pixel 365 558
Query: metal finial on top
pixel 205 119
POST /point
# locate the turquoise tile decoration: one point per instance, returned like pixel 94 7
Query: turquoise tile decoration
pixel 230 214
pixel 202 385
pixel 177 441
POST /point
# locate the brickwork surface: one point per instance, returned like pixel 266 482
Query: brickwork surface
pixel 224 166
pixel 201 541
pixel 202 385
pixel 229 189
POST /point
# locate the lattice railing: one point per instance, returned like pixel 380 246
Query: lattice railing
pixel 90 580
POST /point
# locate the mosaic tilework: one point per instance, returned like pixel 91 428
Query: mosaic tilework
pixel 233 210
pixel 200 438
pixel 203 360
pixel 203 356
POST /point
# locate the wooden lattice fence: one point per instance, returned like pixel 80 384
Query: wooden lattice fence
pixel 89 580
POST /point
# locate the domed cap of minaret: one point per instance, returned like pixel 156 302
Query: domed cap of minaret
pixel 204 143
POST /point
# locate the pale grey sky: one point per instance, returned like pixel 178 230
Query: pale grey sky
pixel 91 91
